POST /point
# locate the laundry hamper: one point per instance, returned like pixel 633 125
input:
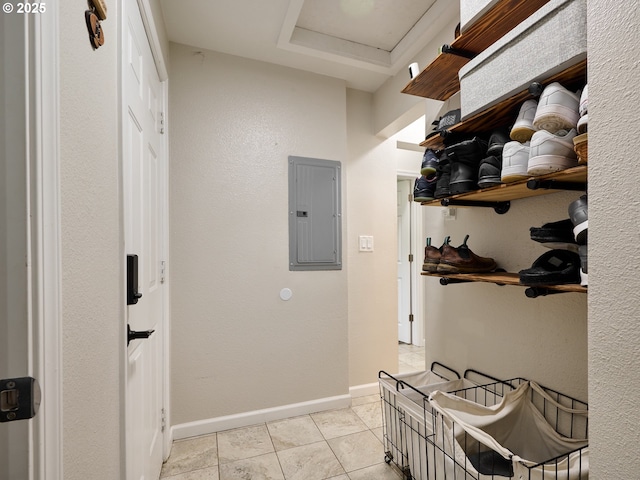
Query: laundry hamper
pixel 394 404
pixel 529 433
pixel 417 424
pixel 406 428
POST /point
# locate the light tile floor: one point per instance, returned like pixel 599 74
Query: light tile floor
pixel 410 358
pixel 341 444
pixel 333 445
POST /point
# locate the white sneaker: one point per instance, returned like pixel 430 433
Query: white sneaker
pixel 584 102
pixel 557 109
pixel 522 129
pixel 584 275
pixel 583 111
pixel 551 152
pixel 515 159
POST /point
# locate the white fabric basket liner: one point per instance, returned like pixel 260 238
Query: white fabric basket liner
pixel 515 429
pixel 414 403
pixel 415 379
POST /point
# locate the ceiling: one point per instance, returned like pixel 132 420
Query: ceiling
pixel 363 42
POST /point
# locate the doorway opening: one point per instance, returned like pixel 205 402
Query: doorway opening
pixel 411 354
pixel 411 312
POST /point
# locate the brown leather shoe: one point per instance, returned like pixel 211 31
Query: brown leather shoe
pixel 463 260
pixel 432 256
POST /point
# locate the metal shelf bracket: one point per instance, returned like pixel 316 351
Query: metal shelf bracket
pixel 450 281
pixel 499 207
pixel 456 51
pixel 535 184
pixel 535 292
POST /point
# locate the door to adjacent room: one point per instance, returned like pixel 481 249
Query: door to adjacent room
pixel 405 284
pixel 144 189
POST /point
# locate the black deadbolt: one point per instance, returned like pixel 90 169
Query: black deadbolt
pixel 132 280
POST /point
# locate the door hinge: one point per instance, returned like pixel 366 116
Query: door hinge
pixel 162 270
pixel 161 122
pixel 163 420
pixel 410 197
pixel 19 398
pixel 411 317
pixel 411 258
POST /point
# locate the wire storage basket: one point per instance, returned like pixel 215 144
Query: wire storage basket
pixel 508 429
pixel 395 405
pixel 406 428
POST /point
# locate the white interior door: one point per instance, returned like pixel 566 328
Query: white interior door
pixel 404 265
pixel 144 170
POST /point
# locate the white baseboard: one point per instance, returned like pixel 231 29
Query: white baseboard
pixel 364 390
pixel 218 424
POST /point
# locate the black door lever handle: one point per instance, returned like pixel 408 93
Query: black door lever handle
pixel 136 335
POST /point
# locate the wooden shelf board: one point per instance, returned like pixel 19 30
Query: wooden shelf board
pixel 440 79
pixel 433 82
pixel 506 278
pixel 505 112
pixel 516 190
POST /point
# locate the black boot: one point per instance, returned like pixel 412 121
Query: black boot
pixel 464 158
pixel 443 172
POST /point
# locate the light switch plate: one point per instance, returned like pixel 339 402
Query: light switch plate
pixel 366 243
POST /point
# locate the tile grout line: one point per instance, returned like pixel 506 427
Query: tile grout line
pixel 327 442
pixel 266 425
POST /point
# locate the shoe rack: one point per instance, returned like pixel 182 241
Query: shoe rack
pixel 439 81
pixel 506 278
pixel 502 113
pixel 499 197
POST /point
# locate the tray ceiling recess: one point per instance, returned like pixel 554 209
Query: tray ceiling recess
pixel 377 35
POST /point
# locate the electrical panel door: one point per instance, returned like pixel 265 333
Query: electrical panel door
pixel 314 214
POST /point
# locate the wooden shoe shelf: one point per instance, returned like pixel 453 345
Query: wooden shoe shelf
pixel 506 278
pixel 439 81
pixel 503 113
pixel 498 197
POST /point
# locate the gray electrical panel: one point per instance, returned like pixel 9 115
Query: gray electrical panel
pixel 315 221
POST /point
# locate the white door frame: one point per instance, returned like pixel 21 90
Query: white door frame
pixel 146 13
pixel 47 236
pixel 44 240
pixel 417 243
pixel 40 50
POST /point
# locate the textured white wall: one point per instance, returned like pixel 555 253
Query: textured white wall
pixel 371 192
pixel 614 248
pixel 496 329
pixel 91 248
pixel 236 346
